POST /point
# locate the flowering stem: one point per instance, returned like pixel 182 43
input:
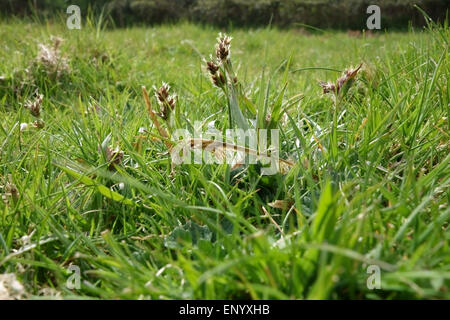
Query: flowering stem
pixel 334 133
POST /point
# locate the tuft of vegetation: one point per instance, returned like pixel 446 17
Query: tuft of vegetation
pixel 366 181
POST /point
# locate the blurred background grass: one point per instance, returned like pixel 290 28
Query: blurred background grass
pixel 348 14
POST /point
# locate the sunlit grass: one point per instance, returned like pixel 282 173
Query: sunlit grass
pixel 369 185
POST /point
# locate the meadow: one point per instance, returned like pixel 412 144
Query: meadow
pixel 87 181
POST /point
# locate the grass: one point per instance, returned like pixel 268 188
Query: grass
pixel 369 185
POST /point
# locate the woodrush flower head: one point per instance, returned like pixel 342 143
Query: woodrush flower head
pixel 346 78
pixel 212 67
pixel 46 55
pixel 216 75
pixel 113 156
pixel 35 105
pixel 327 87
pixel 166 101
pixel 11 187
pixel 223 47
pixel 218 79
pixel 38 124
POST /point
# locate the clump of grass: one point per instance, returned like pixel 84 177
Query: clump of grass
pixel 51 60
pixel 219 70
pixel 11 288
pixel 49 67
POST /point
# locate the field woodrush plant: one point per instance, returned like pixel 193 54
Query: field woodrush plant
pixel 345 80
pixel 35 108
pixel 154 118
pixel 223 48
pixel 220 69
pixel 165 100
pixel 217 70
pixel 50 58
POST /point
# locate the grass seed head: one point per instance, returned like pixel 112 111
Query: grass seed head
pixel 223 47
pixel 35 105
pixel 212 67
pixel 166 101
pixel 218 80
pixel 327 87
pixel 114 157
pixel 217 76
pixel 38 124
pixel 346 78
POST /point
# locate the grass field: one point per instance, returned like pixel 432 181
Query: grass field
pixel 87 180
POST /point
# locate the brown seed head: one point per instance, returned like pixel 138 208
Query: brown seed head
pixel 166 101
pixel 114 157
pixel 35 105
pixel 218 79
pixel 12 190
pixel 163 92
pixel 212 67
pixel 39 124
pixel 327 87
pixel 223 47
pixel 346 77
